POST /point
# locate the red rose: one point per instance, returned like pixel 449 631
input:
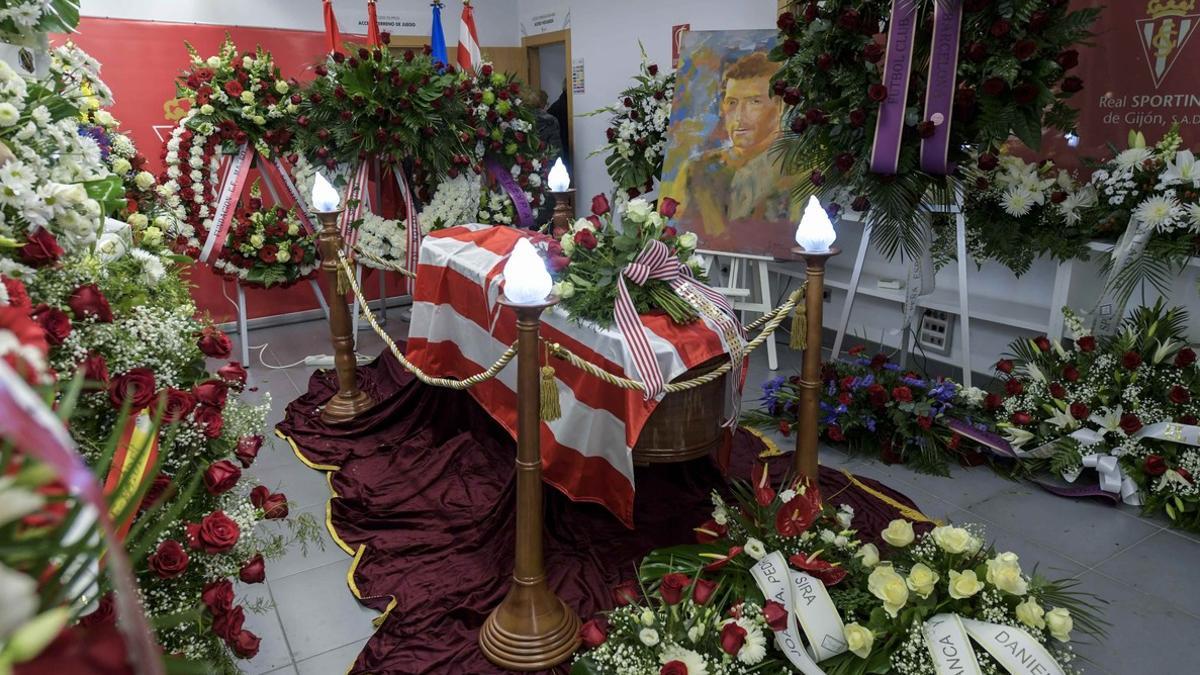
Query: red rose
pixel 1070 373
pixel 1185 357
pixel 1068 59
pixel 626 593
pixel 210 419
pixel 136 386
pixel 988 161
pixel 1072 84
pixel 703 591
pixel 1004 366
pixel 558 262
pixel 95 371
pixel 1087 343
pixel 785 427
pixel 872 53
pixel 227 625
pixel 233 373
pixel 218 596
pixel 254 571
pixel 902 394
pixel 40 249
pixel 1042 342
pixel 104 614
pixel 221 476
pixel 54 322
pixel 586 239
pixel 877 395
pixel 211 392
pixel 1024 49
pixel 858 117
pixel 733 637
pixel 775 615
pixel 1155 465
pixel 600 205
pixel 835 433
pixel 247 449
pixel 877 92
pixel 1014 387
pixel 87 301
pixel 1000 28
pixel 176 404
pixel 245 644
pixel 991 402
pixel 672 587
pixel 217 533
pixel 233 88
pixel 1131 360
pixel 1021 418
pixel 1080 411
pixel 1179 395
pixel 169 560
pixel 155 494
pixel 593 633
pixel 994 86
pixel 667 207
pixel 977 52
pixel 925 422
pixel 275 506
pixel 845 398
pixel 1188 419
pixel 18 295
pixel 1130 423
pixel 675 667
pixel 214 343
pixel 1057 390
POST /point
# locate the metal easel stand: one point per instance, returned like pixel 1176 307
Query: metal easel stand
pixel 739 288
pixel 964 320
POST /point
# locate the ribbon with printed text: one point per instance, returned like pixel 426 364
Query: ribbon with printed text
pixel 232 184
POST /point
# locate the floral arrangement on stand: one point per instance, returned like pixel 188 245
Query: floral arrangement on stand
pixel 586 261
pixel 1013 78
pixel 236 98
pixel 704 610
pixel 637 131
pixel 460 200
pixel 1017 211
pixel 873 406
pixel 1133 397
pixel 25 19
pixel 267 247
pixel 1155 190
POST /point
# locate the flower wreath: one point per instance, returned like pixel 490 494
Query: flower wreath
pixel 267 247
pixel 884 141
pixel 637 131
pixel 240 107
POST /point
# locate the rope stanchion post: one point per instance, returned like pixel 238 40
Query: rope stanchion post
pixel 349 401
pixel 804 461
pixel 564 211
pixel 532 629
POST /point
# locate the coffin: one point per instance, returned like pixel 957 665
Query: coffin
pixel 686 424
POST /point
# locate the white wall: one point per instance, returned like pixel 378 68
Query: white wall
pixel 553 61
pixel 495 20
pixel 606 34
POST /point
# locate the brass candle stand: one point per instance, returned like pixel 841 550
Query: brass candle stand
pixel 804 461
pixel 349 401
pixel 564 211
pixel 532 628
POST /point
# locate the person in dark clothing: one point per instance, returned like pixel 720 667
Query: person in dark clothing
pixel 559 110
pixel 547 129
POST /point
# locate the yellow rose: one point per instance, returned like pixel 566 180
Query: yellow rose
pixel 1004 572
pixel 143 180
pixel 256 240
pixel 152 236
pixel 953 540
pixel 964 584
pixel 247 96
pixel 859 640
pixel 1059 621
pixel 1031 614
pixel 922 580
pixel 899 533
pixel 121 166
pixel 137 220
pixel 293 229
pixel 281 86
pixel 889 587
pixel 869 554
pixel 282 255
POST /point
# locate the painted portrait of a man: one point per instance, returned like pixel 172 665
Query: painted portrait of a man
pixel 719 164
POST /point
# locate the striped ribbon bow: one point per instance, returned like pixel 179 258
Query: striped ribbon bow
pixel 656 261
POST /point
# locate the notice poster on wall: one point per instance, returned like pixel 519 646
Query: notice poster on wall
pixel 577 76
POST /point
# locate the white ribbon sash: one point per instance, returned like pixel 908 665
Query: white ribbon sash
pixel 774 580
pixel 231 188
pixel 1014 649
pixel 1112 479
pixel 946 639
pixel 1110 307
pixel 818 616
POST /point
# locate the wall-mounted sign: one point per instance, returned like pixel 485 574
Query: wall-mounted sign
pixel 577 76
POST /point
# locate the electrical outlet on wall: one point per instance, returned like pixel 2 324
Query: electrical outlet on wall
pixel 935 331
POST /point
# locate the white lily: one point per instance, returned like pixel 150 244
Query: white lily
pixel 1017 436
pixel 1181 171
pixel 1165 349
pixel 1034 372
pixel 1063 420
pixel 1110 420
pixel 1059 348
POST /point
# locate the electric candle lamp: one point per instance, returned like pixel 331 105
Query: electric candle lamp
pixel 559 180
pixel 815 232
pixel 526 280
pixel 325 197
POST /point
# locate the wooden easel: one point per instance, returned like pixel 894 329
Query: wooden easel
pixel 740 291
pixel 964 320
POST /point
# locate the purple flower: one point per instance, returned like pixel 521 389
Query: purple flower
pixel 870 422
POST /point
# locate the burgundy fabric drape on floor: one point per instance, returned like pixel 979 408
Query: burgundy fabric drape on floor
pixel 424 483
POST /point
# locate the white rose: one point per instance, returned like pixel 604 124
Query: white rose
pixel 899 533
pixel 281 86
pixel 869 553
pixel 638 210
pixel 152 236
pixel 583 224
pixel 885 584
pixel 143 180
pixel 256 240
pixel 964 584
pixel 647 617
pixel 1059 621
pixel 293 229
pixel 1004 572
pixel 648 636
pixel 121 166
pixel 1031 614
pixel 952 539
pixel 859 639
pixel 688 240
pixel 207 109
pixel 564 289
pixel 213 62
pixel 755 548
pixel 921 580
pixel 567 241
pixel 283 255
pixel 247 97
pixel 138 220
pixel 105 118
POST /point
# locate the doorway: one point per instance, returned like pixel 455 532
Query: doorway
pixel 549 61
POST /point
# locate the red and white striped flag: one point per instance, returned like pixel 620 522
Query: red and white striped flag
pixel 458 329
pixel 469 58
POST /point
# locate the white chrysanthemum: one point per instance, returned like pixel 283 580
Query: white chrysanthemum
pixel 695 663
pixel 1132 158
pixel 1160 212
pixel 1017 201
pixel 754 649
pixel 1193 211
pixel 1076 201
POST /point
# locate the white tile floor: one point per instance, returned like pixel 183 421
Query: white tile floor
pixel 1150 575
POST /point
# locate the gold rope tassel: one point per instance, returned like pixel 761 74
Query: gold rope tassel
pixel 550 409
pixel 343 282
pixel 799 339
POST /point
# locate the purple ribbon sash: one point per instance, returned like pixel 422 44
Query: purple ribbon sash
pixel 943 79
pixel 897 67
pixel 515 193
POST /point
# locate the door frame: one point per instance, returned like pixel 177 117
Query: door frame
pixel 534 76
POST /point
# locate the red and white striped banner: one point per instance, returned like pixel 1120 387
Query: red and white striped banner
pixel 469 58
pixel 458 328
pixel 280 171
pixel 356 200
pixel 232 184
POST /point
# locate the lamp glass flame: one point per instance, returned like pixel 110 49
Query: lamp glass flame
pixel 559 180
pixel 526 280
pixel 324 196
pixel 815 232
